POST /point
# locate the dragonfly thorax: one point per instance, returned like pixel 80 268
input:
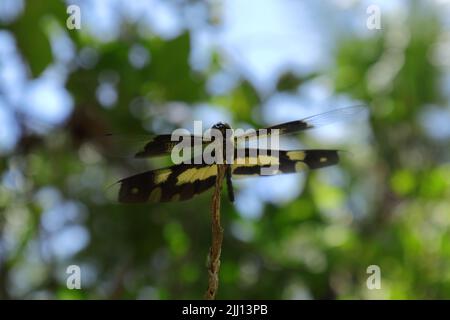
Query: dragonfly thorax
pixel 224 136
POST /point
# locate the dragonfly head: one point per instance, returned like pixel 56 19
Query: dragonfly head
pixel 221 126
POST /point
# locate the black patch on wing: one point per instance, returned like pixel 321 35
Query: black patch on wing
pixel 291 127
pixel 316 159
pixel 159 145
pixel 136 188
pixel 163 144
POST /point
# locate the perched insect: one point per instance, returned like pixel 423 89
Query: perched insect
pixel 185 180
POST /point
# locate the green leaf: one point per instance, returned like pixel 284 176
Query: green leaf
pixel 30 34
pixel 171 73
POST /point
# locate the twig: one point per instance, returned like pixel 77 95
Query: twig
pixel 217 237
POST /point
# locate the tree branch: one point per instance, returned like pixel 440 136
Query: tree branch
pixel 217 237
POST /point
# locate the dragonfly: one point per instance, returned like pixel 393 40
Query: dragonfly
pixel 185 180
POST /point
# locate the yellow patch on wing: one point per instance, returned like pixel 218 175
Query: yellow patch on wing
pixel 296 155
pixel 186 176
pixel 162 176
pixel 300 166
pixel 323 159
pixel 205 174
pixel 259 160
pixel 155 195
pixel 193 174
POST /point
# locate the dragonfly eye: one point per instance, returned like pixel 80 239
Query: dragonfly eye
pixel 221 126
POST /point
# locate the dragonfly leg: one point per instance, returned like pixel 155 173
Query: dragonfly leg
pixel 229 184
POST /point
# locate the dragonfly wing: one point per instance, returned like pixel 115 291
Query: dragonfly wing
pixel 164 144
pixel 146 146
pixel 252 162
pixel 316 121
pixel 178 182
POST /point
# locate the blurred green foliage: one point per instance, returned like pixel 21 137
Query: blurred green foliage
pixel 391 211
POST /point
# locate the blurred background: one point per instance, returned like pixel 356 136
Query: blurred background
pixel 140 67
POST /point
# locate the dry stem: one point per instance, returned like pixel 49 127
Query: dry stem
pixel 217 237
